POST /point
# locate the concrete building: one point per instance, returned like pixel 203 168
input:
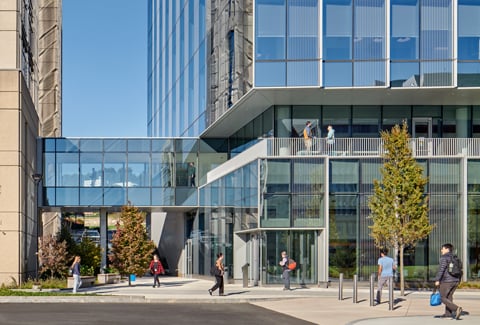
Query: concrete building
pixel 30 106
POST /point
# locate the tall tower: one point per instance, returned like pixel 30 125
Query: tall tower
pixel 29 107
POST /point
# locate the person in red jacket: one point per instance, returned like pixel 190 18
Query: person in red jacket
pixel 156 269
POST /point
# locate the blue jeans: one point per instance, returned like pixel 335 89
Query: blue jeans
pixel 77 282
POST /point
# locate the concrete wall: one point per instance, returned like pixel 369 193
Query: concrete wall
pixel 168 233
pixel 18 218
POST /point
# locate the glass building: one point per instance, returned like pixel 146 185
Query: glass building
pixel 231 87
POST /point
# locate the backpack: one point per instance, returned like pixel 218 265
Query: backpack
pixel 455 267
pixel 292 265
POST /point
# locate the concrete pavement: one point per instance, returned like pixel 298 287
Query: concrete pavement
pixel 313 304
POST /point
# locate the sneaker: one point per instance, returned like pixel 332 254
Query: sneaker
pixel 458 313
pixel 153 286
pixel 210 291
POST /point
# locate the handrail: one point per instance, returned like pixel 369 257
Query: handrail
pixel 372 147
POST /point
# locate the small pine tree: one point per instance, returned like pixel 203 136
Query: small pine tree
pixel 399 206
pixel 131 249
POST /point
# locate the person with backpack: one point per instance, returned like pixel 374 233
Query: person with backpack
pixel 219 270
pixel 156 268
pixel 447 279
pixel 285 271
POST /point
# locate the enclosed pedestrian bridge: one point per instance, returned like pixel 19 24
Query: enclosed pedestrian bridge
pixel 153 172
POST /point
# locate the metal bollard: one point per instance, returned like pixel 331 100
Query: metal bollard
pixel 355 288
pixel 390 293
pixel 372 292
pixel 340 287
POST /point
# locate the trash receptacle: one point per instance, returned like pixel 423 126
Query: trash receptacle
pixel 245 275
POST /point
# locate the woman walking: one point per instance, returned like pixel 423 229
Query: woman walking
pixel 156 268
pixel 219 271
pixel 77 282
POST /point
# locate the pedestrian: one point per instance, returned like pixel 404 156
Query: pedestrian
pixel 447 283
pixel 77 281
pixel 386 266
pixel 219 271
pixel 156 268
pixel 330 138
pixel 285 271
pixel 191 174
pixel 307 136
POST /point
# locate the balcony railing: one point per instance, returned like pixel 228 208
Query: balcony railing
pixel 372 147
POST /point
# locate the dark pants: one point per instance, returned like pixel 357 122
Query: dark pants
pixel 447 289
pixel 156 280
pixel 218 284
pixel 286 278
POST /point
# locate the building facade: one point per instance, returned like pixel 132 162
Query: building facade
pixel 30 106
pixel 359 65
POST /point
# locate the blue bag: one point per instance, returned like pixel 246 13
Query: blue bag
pixel 435 299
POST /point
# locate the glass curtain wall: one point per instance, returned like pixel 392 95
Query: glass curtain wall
pixel 421 46
pixel 468 43
pixel 286 43
pixel 177 47
pixel 354 45
pixel 473 220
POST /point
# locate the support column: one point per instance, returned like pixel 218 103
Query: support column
pixel 104 238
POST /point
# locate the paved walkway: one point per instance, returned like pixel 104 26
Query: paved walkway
pixel 316 305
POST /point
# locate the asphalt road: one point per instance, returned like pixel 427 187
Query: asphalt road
pixel 219 313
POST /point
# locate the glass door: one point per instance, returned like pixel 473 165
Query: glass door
pixel 300 246
pixel 422 130
pixel 421 127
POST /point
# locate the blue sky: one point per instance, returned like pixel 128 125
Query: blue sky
pixel 104 68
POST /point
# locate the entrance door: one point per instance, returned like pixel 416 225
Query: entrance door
pixel 422 130
pixel 421 127
pixel 300 246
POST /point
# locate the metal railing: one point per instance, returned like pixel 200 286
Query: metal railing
pixel 371 147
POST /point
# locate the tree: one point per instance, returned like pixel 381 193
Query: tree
pixel 91 255
pixel 53 257
pixel 399 206
pixel 131 249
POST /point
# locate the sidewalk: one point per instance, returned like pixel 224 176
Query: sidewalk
pixel 317 305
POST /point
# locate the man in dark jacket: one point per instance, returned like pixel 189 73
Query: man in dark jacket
pixel 448 283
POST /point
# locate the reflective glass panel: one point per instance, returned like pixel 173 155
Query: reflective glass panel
pixel 139 196
pixel 337 30
pixel 115 169
pixel 90 170
pixel 276 211
pixel 67 169
pixel 270 74
pixel 369 74
pixel 468 74
pixel 91 196
pixel 337 74
pixel 369 31
pixel 436 29
pixel 468 30
pixel 405 74
pixel 303 29
pixel 270 29
pixel 138 169
pixel 302 73
pixel 405 26
pixel 163 196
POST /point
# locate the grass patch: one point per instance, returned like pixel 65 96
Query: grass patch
pixel 469 285
pixel 12 292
